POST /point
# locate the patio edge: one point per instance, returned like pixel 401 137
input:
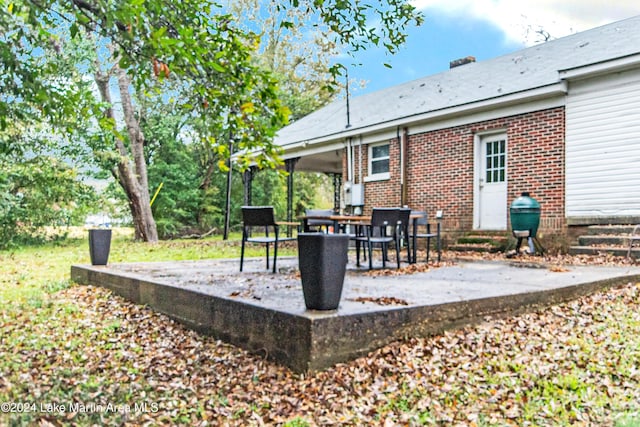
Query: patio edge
pixel 314 341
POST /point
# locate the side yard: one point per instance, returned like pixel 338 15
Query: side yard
pixel 75 355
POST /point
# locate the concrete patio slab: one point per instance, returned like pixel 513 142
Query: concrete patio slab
pixel 264 312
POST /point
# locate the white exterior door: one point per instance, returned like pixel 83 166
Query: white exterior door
pixel 491 169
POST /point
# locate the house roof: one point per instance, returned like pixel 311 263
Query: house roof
pixel 521 71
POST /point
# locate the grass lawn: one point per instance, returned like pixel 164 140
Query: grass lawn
pixel 76 355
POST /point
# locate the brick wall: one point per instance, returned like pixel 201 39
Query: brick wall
pixel 440 168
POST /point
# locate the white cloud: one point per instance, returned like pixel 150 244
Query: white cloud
pixel 520 19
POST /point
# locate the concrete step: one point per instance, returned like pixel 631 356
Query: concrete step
pixel 481 241
pixel 619 230
pixel 604 240
pixel 474 247
pixel 482 238
pixel 600 249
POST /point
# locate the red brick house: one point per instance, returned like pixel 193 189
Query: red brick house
pixel 560 120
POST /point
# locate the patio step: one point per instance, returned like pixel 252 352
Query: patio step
pixel 605 250
pixel 481 242
pixel 611 229
pixel 605 239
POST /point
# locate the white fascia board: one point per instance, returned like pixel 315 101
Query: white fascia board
pixel 592 70
pixel 531 100
pixel 321 145
pixel 372 138
pixel 309 149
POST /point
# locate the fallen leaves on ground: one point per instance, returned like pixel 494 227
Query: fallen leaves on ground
pixel 404 269
pixel 603 259
pixel 380 300
pixel 558 269
pixel 572 364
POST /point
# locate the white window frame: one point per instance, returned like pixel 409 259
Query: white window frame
pixel 378 176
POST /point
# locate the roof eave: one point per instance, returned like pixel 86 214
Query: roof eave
pixel 604 67
pixel 548 91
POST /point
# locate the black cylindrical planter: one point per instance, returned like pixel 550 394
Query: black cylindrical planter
pixel 323 262
pixel 99 246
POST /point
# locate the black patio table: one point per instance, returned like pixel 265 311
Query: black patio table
pixel 357 221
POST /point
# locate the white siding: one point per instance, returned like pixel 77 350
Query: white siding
pixel 603 146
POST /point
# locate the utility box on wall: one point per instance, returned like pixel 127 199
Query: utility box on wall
pixel 353 194
pixel 357 195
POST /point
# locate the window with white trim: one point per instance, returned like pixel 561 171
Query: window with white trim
pixel 378 161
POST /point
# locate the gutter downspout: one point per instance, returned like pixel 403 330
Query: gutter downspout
pixel 360 159
pixel 404 195
pixel 349 161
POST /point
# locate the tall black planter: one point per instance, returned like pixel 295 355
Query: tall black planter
pixel 99 246
pixel 322 259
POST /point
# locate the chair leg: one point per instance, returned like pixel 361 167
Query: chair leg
pixel 267 245
pixel 439 243
pixel 370 257
pixel 358 232
pixel 241 254
pixel 385 251
pixel 409 259
pixel 398 255
pixel 275 255
pixel 415 249
pixel 428 247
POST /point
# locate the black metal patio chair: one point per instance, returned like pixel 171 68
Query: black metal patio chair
pixel 376 233
pixel 261 218
pixel 404 222
pixel 422 230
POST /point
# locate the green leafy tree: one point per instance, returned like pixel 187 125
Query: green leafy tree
pixel 32 88
pixel 195 44
pixel 37 192
pixel 302 62
pixel 300 51
pixel 174 174
pixel 295 48
pixel 38 186
pixel 312 190
pixel 136 42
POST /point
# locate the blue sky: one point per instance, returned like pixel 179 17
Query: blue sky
pixel 481 28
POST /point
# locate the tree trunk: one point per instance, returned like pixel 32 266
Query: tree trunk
pixel 131 171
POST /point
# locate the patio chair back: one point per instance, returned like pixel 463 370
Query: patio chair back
pixel 254 216
pixel 423 231
pixel 263 217
pixel 422 220
pixel 318 224
pixel 404 220
pixel 384 217
pixel 377 233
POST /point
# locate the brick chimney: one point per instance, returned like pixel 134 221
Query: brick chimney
pixel 462 61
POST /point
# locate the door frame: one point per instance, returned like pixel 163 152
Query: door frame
pixel 478 161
